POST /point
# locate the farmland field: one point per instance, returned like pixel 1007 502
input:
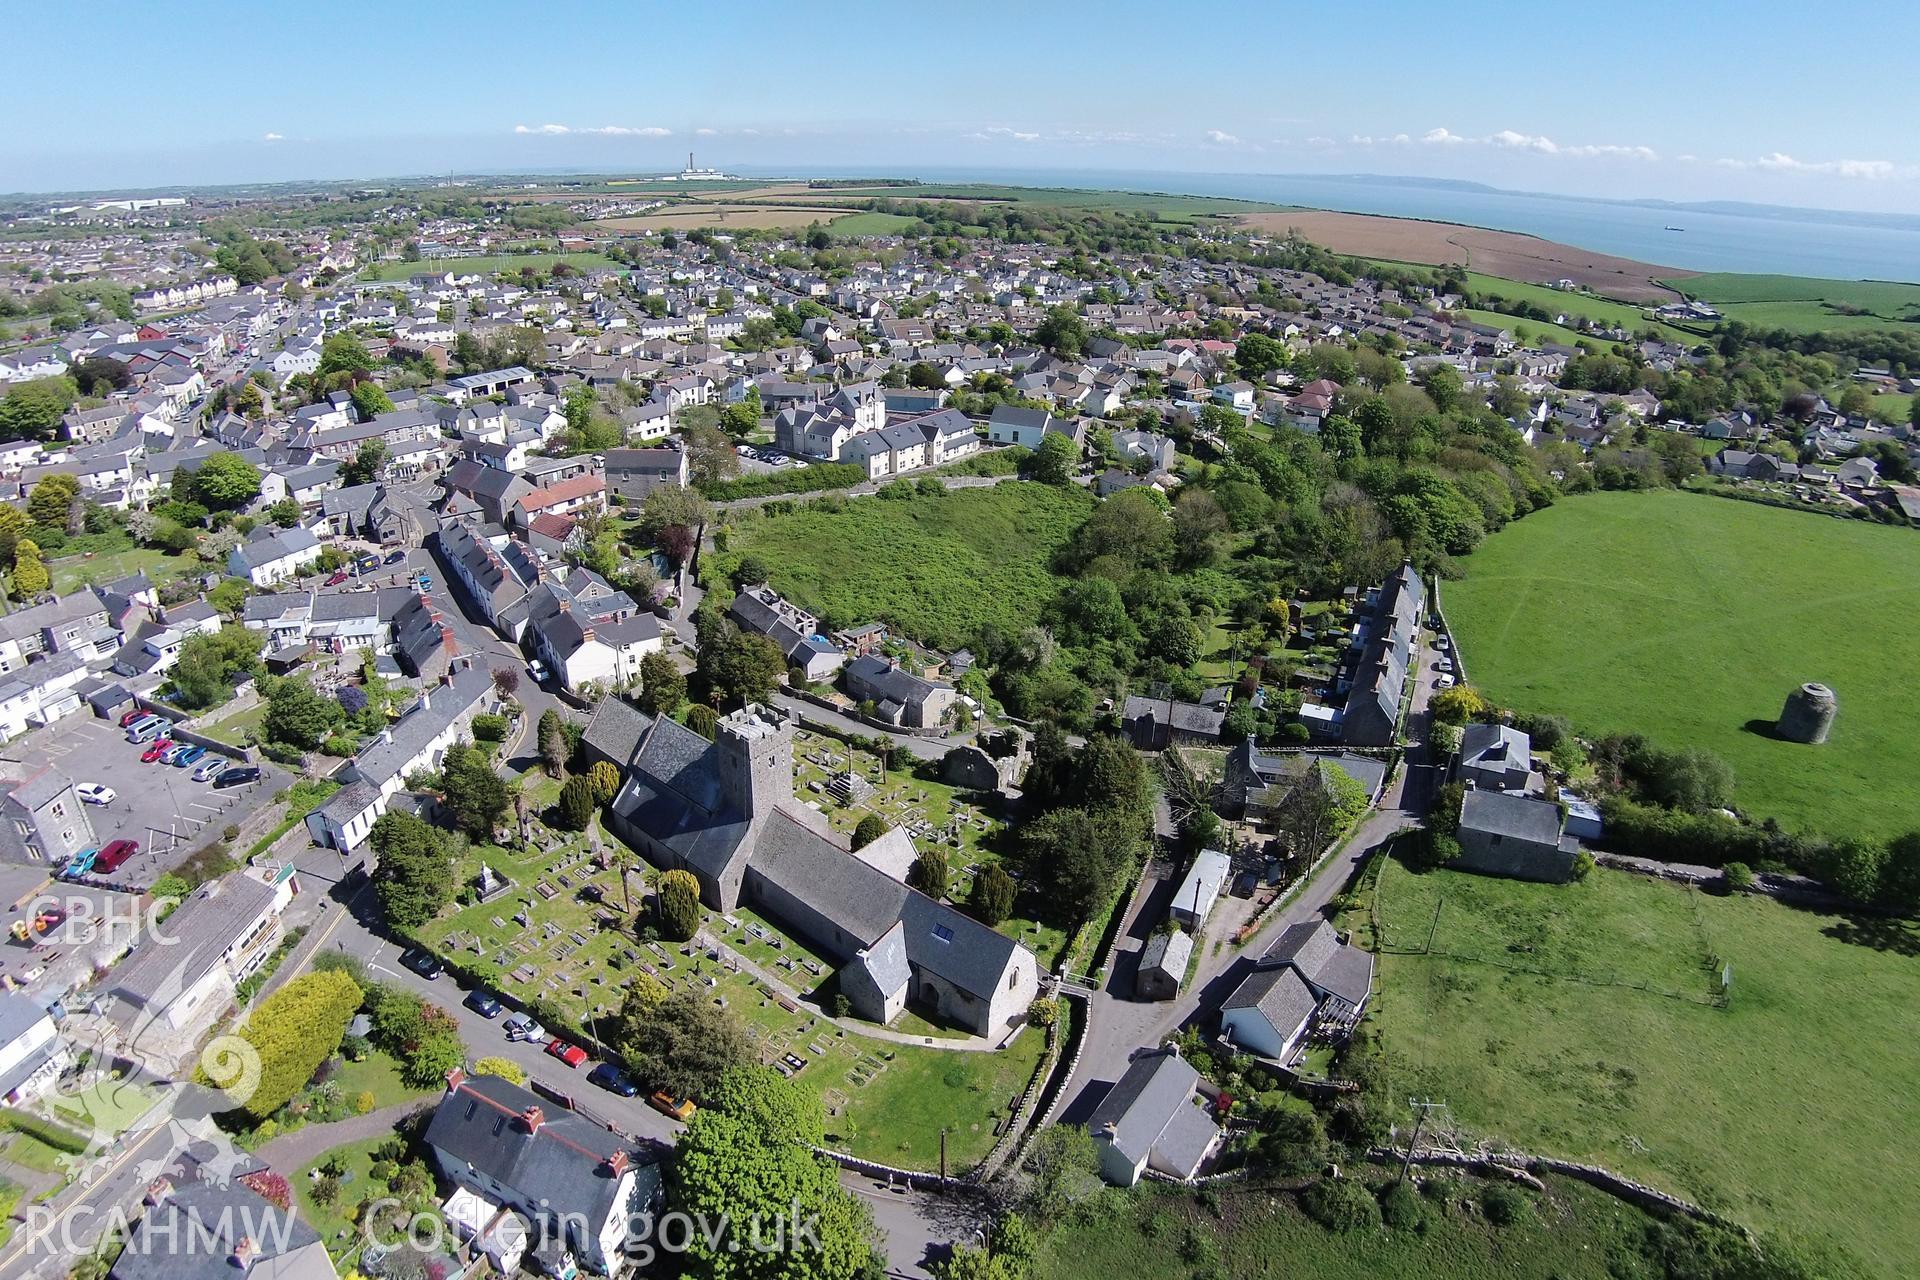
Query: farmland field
pixel 1535 1033
pixel 1689 619
pixel 488 265
pixel 1804 304
pixel 922 564
pixel 852 225
pixel 721 217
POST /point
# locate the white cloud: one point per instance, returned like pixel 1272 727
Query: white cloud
pixel 704 133
pixel 1514 140
pixel 604 130
pixel 999 133
pixel 1318 140
pixel 273 137
pixel 1221 138
pixel 1781 162
pixel 1441 138
pixel 1367 140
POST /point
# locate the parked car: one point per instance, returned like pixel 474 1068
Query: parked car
pixel 681 1109
pixel 522 1027
pixel 425 581
pixel 367 563
pixel 1441 642
pixel 394 557
pixel 484 1005
pixel 538 670
pixel 423 963
pixel 571 1054
pixel 339 576
pixel 94 793
pixel 143 731
pixel 134 716
pixel 156 749
pixel 115 856
pixel 238 776
pixel 175 752
pixel 613 1080
pixel 81 863
pixel 210 768
pixel 191 755
pixel 1444 682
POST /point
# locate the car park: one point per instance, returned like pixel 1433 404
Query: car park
pixel 523 1027
pixel 613 1080
pixel 210 768
pixel 571 1054
pixel 115 856
pixel 423 963
pixel 157 749
pixel 238 776
pixel 94 793
pixel 484 1004
pixel 666 1104
pixel 188 756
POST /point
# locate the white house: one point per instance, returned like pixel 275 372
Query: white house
pixel 1308 976
pixel 215 940
pixel 32 1051
pixel 1151 1119
pixel 275 557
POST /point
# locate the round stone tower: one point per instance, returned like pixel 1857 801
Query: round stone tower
pixel 1808 715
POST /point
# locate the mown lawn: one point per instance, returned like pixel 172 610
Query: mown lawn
pixel 1689 619
pixel 937 568
pixel 70 573
pixel 233 729
pixel 1791 1109
pixel 1571 1233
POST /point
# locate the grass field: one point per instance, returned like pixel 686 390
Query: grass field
pixel 487 265
pixel 1163 203
pixel 1689 619
pixel 1532 332
pixel 1571 1233
pixel 921 564
pixel 854 225
pixel 721 217
pixel 1788 1109
pixel 1805 304
pixel 74 572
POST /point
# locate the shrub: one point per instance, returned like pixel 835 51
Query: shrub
pixel 363 1102
pixel 992 895
pixel 1341 1204
pixel 505 1068
pixel 490 728
pixel 871 827
pixel 1738 875
pixel 1504 1204
pixel 1295 734
pixel 575 810
pixel 295 1030
pixel 1400 1207
pixel 1295 1142
pixel 679 905
pixel 1043 1012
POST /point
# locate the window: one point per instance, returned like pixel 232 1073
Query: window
pixel 942 933
pixel 1013 980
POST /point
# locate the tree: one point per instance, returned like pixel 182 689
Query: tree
pixel 710 455
pixel 1294 1143
pixel 1457 705
pixel 1076 857
pixel 230 596
pixel 298 716
pixel 992 895
pixel 342 353
pixel 747 1158
pixel 504 1068
pixel 703 720
pixel 51 500
pixel 13 527
pixel 679 905
pixel 574 810
pixel 928 873
pixel 1062 332
pixel 1055 461
pixel 32 409
pixel 292 1031
pixel 210 665
pixel 604 779
pixel 552 740
pixel 662 686
pixel 1443 386
pixel 1341 1204
pixel 1900 873
pixel 1852 866
pixel 870 828
pixel 224 481
pixel 741 667
pixel 370 401
pixel 364 466
pixel 30 576
pixel 477 796
pixel 414 875
pixel 682 1044
pixel 673 506
pixel 284 513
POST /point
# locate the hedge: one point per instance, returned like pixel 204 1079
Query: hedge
pixel 294 1030
pixel 809 479
pixel 1704 839
pixel 57 1136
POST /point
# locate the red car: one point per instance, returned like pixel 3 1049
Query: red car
pixel 136 714
pixel 158 748
pixel 114 855
pixel 339 576
pixel 571 1054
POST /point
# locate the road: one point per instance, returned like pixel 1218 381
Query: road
pixel 1119 1026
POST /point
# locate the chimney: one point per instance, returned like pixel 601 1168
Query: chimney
pixel 616 1164
pixel 456 1078
pixel 532 1118
pixel 158 1190
pixel 243 1252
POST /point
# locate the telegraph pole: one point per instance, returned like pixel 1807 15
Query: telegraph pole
pixel 1422 1108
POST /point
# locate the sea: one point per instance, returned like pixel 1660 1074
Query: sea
pixel 1710 237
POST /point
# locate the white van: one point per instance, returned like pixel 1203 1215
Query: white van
pixel 146 730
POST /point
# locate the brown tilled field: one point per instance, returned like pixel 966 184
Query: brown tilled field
pixel 1495 253
pixel 719 217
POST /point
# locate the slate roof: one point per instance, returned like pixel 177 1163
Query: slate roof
pixel 885 960
pixel 190 1235
pixel 1168 953
pixel 1278 993
pixel 213 917
pixel 1150 1111
pixel 616 729
pixel 1512 816
pixel 1315 951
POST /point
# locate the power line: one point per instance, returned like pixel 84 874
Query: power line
pixel 1422 1107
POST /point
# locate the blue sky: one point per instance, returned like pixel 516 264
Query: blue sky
pixel 1687 99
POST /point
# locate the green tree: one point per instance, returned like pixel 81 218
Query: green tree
pixel 364 467
pixel 1900 873
pixel 13 527
pixel 300 717
pixel 662 686
pixel 870 828
pixel 30 576
pixel 1076 857
pixel 210 665
pixel 928 873
pixel 747 1158
pixel 741 667
pixel 505 1068
pixel 284 513
pixel 710 455
pixel 552 740
pixel 682 1044
pixel 31 410
pixel 1294 1142
pixel 1056 460
pixel 343 353
pixel 222 482
pixel 703 720
pixel 370 401
pixel 229 596
pixel 293 1031
pixel 1062 332
pixel 477 797
pixel 679 905
pixel 992 895
pixel 414 875
pixel 605 780
pixel 1852 866
pixel 574 810
pixel 52 499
